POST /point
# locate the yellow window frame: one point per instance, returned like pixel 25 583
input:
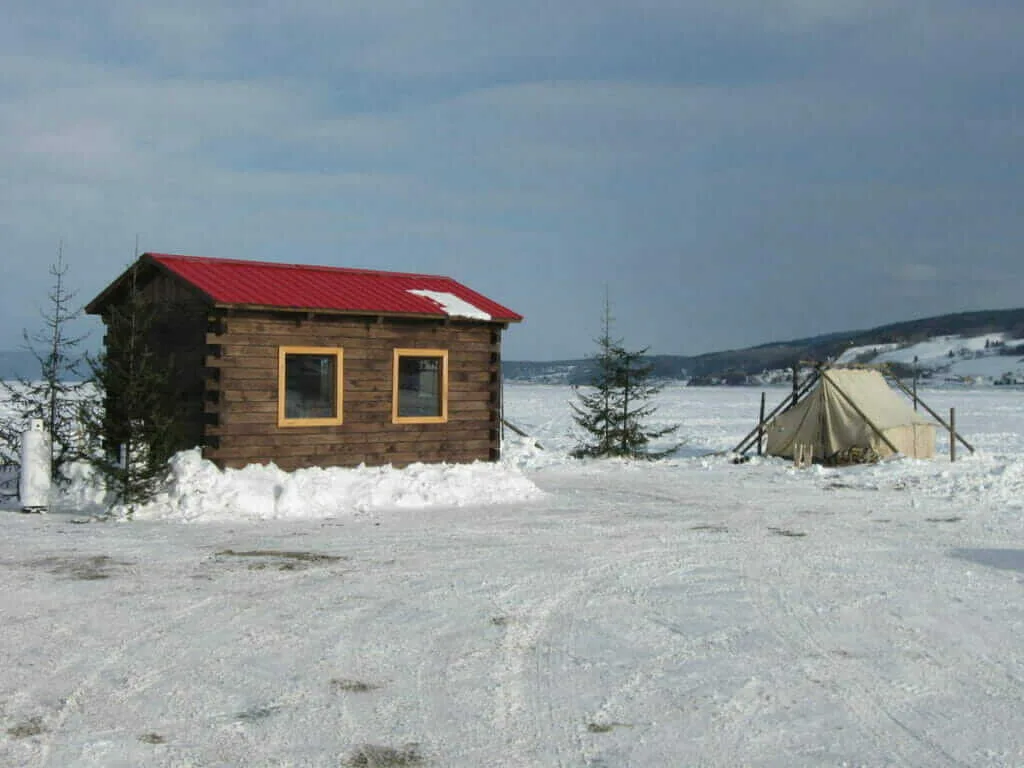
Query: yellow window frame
pixel 440 354
pixel 338 353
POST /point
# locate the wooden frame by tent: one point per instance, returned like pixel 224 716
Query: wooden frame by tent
pixel 884 436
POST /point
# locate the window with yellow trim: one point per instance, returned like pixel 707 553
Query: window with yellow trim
pixel 309 386
pixel 420 381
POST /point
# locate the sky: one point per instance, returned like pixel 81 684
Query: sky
pixel 732 173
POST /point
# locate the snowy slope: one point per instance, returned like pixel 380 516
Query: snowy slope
pixel 969 360
pixel 549 613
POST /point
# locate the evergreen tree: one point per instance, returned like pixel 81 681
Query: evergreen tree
pixel 133 427
pixel 55 396
pixel 615 411
pixel 637 390
pixel 598 410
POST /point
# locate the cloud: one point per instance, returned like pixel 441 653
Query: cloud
pixel 694 156
pixel 914 273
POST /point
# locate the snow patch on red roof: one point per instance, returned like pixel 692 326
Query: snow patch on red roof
pixel 452 305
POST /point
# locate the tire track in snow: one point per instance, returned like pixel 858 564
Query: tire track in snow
pixel 524 709
pixel 140 650
pixel 732 721
pixel 858 687
pixel 689 640
pixel 730 724
pixel 536 694
pixel 863 691
pixel 720 723
pixel 73 700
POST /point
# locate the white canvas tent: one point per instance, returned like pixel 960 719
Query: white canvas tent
pixel 851 408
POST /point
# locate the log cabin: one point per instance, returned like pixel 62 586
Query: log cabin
pixel 302 365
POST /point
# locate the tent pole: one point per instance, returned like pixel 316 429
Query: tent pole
pixel 952 433
pixel 745 444
pixel 760 428
pixel 861 413
pixel 915 382
pixel 934 415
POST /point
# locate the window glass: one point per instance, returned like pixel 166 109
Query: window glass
pixel 311 386
pixel 420 386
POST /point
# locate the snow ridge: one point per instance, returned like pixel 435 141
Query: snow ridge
pixel 197 491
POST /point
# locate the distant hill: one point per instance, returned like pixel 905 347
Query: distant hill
pixel 741 366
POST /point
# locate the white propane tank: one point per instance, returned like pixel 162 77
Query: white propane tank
pixel 34 482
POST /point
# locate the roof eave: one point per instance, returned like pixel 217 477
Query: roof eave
pixel 97 305
pixel 362 313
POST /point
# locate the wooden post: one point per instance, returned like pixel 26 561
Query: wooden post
pixel 750 438
pixel 803 455
pixel 952 435
pixel 796 383
pixel 935 416
pixel 760 428
pixel 915 382
pixel 521 433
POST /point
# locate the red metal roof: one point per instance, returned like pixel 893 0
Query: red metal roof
pixel 308 287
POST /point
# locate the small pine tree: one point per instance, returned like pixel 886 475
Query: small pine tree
pixel 133 426
pixel 614 413
pixel 55 396
pixel 637 391
pixel 598 410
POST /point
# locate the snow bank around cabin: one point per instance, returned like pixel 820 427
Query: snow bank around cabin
pixel 197 491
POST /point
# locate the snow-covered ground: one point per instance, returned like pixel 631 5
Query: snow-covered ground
pixel 542 612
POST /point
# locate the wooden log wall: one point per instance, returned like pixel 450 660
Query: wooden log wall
pixel 182 334
pixel 177 336
pixel 242 391
pixel 179 333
